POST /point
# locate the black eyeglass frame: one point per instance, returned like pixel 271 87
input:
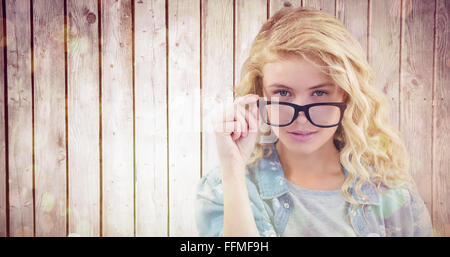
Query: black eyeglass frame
pixel 301 108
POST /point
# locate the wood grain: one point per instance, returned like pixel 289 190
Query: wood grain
pixel 151 119
pixel 276 5
pixel 384 44
pixel 328 6
pixel 117 119
pixel 49 118
pixel 441 122
pixel 3 175
pixel 142 177
pixel 19 118
pixel 83 118
pixel 250 16
pixel 354 14
pixel 217 72
pixel 184 114
pixel 416 90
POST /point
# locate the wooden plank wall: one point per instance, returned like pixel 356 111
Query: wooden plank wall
pixel 3 186
pixel 83 99
pixel 106 105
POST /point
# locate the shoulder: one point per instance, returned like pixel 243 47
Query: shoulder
pixel 398 196
pixel 404 207
pixel 392 199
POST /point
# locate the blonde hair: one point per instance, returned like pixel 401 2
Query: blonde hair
pixel 365 137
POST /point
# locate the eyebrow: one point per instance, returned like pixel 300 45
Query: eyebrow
pixel 328 84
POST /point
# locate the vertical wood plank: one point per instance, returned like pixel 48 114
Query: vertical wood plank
pixel 416 90
pixel 276 5
pixel 354 15
pixel 3 188
pixel 187 111
pixel 184 114
pixel 328 6
pixel 441 122
pixel 20 149
pixel 250 16
pixel 117 118
pixel 384 44
pixel 83 117
pixel 151 118
pixel 217 72
pixel 49 117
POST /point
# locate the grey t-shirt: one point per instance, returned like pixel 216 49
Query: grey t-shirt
pixel 317 213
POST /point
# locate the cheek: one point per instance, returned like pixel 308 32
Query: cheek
pixel 327 132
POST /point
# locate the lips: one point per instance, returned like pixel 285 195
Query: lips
pixel 302 136
pixel 302 132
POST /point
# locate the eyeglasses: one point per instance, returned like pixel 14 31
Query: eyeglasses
pixel 282 114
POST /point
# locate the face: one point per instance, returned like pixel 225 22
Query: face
pixel 291 80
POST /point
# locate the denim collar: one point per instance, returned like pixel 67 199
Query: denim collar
pixel 272 182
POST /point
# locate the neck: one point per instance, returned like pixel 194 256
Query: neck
pixel 323 162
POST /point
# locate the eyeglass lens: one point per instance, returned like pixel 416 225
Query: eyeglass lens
pixel 322 115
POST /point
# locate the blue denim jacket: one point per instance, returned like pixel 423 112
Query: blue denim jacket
pixel 390 212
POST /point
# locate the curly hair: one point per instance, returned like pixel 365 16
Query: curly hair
pixel 370 148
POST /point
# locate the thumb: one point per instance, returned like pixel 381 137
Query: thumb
pixel 253 120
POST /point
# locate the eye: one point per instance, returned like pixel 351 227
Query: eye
pixel 323 92
pixel 281 91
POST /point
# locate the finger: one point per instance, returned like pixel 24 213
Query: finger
pixel 253 121
pixel 243 116
pixel 239 116
pixel 230 113
pixel 248 103
pixel 237 131
pixel 253 113
pixel 245 97
pixel 252 118
pixel 248 99
pixel 241 100
pixel 227 127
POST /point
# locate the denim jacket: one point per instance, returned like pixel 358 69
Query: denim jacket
pixel 389 212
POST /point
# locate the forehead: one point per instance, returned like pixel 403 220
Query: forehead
pixel 294 72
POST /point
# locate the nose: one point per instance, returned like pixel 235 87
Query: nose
pixel 301 117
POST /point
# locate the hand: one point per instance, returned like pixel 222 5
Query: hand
pixel 236 131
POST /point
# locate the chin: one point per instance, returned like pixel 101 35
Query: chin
pixel 302 150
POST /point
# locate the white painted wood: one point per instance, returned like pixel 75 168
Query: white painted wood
pixel 49 118
pixel 217 72
pixel 184 114
pixel 151 119
pixel 117 119
pixel 20 152
pixel 83 118
pixel 250 16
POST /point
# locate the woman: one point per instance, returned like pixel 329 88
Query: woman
pixel 307 148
